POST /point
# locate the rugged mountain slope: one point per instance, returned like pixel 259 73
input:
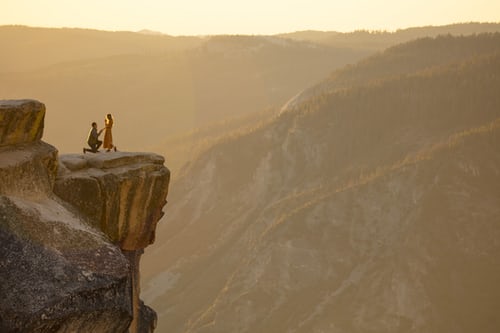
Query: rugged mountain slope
pixel 185 147
pixel 418 55
pixel 368 209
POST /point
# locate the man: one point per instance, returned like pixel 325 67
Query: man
pixel 93 140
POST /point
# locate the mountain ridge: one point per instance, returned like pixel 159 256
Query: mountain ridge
pixel 396 61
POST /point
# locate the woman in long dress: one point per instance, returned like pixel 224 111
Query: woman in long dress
pixel 108 137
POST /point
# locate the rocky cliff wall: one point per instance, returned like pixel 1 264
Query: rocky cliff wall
pixel 123 195
pixel 72 230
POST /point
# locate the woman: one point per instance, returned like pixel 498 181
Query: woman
pixel 108 137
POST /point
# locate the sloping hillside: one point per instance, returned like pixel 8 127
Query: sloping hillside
pixel 418 55
pixel 372 208
pixel 34 48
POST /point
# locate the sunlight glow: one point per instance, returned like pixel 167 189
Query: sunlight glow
pixel 200 17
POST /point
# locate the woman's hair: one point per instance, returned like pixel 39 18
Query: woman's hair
pixel 94 124
pixel 109 116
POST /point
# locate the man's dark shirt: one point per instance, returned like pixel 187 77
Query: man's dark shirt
pixel 93 136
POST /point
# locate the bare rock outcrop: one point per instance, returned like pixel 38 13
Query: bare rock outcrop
pixel 58 275
pixel 21 121
pixel 123 194
pixel 72 230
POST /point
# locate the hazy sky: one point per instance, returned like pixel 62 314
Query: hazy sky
pixel 199 17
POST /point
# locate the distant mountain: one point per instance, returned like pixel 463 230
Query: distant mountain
pixel 378 40
pixel 418 55
pixel 155 86
pixel 36 48
pixel 161 87
pixel 371 206
pixel 150 32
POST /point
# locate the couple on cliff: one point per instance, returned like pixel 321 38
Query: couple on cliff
pixel 93 138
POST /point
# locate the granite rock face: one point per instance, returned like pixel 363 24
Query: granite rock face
pixel 123 195
pixel 72 230
pixel 58 275
pixel 123 192
pixel 21 121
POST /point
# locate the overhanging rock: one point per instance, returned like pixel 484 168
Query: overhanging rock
pixel 123 193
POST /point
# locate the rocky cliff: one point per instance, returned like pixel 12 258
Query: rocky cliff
pixel 72 230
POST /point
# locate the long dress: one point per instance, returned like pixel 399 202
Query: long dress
pixel 108 137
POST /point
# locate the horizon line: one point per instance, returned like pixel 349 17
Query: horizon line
pixel 147 31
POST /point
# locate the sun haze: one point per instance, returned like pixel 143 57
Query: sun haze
pixel 196 17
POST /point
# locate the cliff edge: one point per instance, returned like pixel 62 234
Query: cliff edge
pixel 72 230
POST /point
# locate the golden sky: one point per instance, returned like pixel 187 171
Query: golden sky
pixel 203 17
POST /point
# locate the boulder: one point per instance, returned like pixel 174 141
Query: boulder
pixel 21 121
